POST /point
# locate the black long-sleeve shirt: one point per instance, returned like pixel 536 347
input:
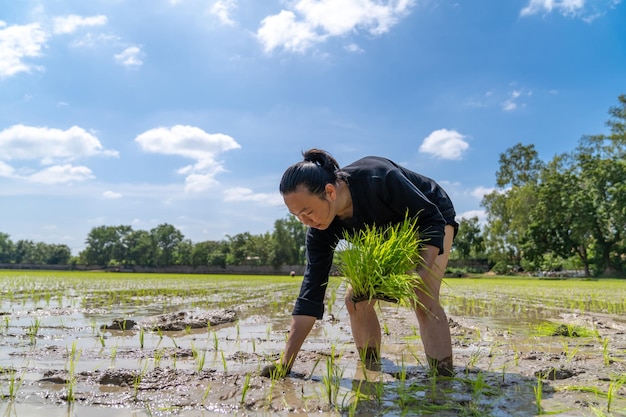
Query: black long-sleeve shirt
pixel 382 192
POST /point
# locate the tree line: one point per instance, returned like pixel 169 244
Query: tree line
pixel 165 245
pixel 565 213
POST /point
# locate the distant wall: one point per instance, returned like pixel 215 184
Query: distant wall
pixel 230 269
pixel 477 265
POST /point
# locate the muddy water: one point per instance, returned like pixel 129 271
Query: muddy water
pixel 194 347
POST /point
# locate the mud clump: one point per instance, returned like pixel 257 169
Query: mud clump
pixel 178 321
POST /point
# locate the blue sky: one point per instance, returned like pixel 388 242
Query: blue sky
pixel 187 112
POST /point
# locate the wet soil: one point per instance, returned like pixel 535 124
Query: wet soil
pixel 204 363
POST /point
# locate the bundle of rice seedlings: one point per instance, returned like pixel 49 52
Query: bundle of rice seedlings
pixel 378 262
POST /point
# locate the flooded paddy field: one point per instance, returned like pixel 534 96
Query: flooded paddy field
pixel 117 345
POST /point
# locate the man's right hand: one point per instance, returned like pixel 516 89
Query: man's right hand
pixel 275 371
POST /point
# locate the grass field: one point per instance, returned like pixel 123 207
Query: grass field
pixel 512 338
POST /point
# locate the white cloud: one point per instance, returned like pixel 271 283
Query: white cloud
pixel 481 214
pixel 6 170
pixel 49 146
pixel 21 142
pixel 111 195
pixel 59 174
pixel 316 20
pixel 130 57
pixel 69 24
pixel 586 10
pixel 353 47
pixel 445 144
pixel 283 30
pixel 196 183
pixel 17 43
pixel 222 9
pixel 91 41
pixel 193 143
pixel 238 194
pixel 510 104
pixel 480 192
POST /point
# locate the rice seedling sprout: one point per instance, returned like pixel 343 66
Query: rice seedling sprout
pixel 377 262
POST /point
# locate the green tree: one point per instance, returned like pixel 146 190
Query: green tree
pixel 106 244
pixel 601 168
pixel 239 248
pixel 21 251
pixel 507 208
pixel 289 240
pixel 183 253
pixel 560 220
pixel 6 248
pixel 469 242
pixel 166 239
pixel 58 254
pixel 260 247
pixel 141 248
pixel 218 253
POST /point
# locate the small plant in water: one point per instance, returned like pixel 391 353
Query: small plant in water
pixel 377 263
pixel 141 337
pixel 605 351
pixel 32 331
pixel 538 389
pixel 332 378
pixel 73 356
pixel 614 387
pixel 14 382
pixel 245 388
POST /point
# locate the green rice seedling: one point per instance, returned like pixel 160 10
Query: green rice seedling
pixel 253 345
pixel 200 358
pixel 538 389
pixel 332 378
pixel 205 395
pixel 245 388
pixel 570 354
pixel 216 342
pixel 473 359
pixel 101 339
pixel 136 383
pixel 614 387
pixel 224 364
pixel 352 408
pixel 73 356
pixel 598 412
pixel 138 378
pixel 158 356
pixel 32 330
pixel 606 357
pixel 317 362
pixel 14 382
pixel 377 262
pixel 404 394
pixel 564 330
pixel 141 337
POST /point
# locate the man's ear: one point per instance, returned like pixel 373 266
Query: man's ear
pixel 331 192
